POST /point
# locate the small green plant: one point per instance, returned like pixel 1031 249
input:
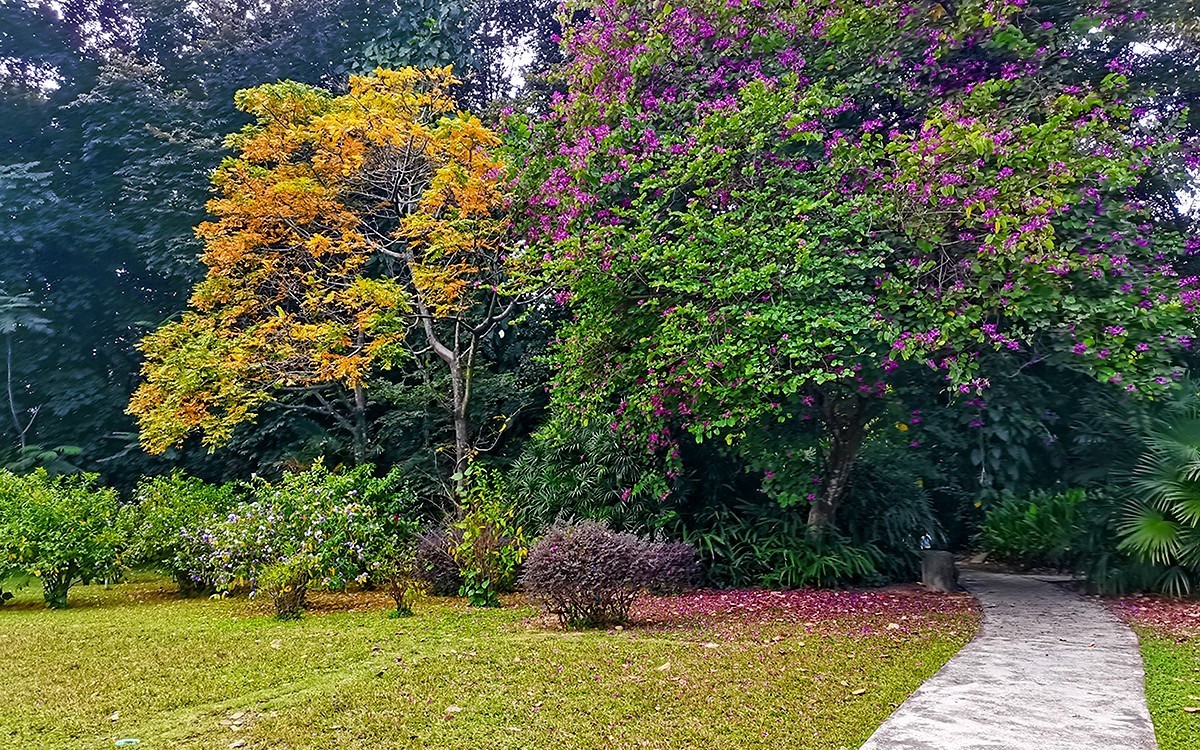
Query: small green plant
pixel 395 560
pixel 61 530
pixel 1042 529
pixel 286 583
pixel 397 573
pixel 488 545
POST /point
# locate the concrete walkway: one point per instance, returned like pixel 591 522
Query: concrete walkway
pixel 1049 671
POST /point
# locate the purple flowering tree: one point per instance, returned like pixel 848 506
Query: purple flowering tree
pixel 758 210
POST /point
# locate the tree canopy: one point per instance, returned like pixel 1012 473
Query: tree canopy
pixel 760 211
pixel 350 232
pixel 116 114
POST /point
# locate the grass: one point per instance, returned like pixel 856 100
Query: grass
pixel 1169 633
pixel 1172 685
pixel 710 670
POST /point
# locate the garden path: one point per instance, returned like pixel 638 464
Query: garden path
pixel 1049 671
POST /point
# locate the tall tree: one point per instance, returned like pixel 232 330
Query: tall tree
pixel 760 211
pixel 19 312
pixel 115 113
pixel 353 234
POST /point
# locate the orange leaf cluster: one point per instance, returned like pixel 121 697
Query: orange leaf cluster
pixel 337 219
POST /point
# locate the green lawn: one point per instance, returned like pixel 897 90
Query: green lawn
pixel 740 670
pixel 1172 686
pixel 1169 632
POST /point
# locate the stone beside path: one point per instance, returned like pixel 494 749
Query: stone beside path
pixel 1049 671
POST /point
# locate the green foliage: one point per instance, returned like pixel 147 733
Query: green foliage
pixel 396 571
pixel 889 508
pixel 765 214
pixel 588 472
pixel 55 460
pixel 115 116
pixel 396 565
pixel 1108 567
pixel 762 544
pixel 1161 525
pixel 60 530
pixel 166 527
pixel 286 583
pixel 328 523
pixel 488 544
pixel 1041 529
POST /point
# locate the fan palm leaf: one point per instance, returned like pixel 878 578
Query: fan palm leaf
pixel 1161 524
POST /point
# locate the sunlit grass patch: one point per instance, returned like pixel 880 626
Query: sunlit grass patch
pixel 710 669
pixel 1169 631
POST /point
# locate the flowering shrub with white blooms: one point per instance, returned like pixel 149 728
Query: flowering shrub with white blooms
pixel 329 526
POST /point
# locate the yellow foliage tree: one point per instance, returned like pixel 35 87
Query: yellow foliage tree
pixel 350 233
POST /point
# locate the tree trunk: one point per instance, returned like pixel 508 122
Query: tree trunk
pixel 462 427
pixel 359 429
pixel 12 402
pixel 845 421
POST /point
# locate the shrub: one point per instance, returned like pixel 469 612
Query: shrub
pixel 589 576
pixel 1042 529
pixel 396 572
pixel 61 530
pixel 393 555
pixel 435 563
pixel 1161 523
pixel 167 527
pixel 488 546
pixel 888 507
pixel 587 472
pixel 673 565
pixel 313 520
pixel 286 583
pixel 1108 567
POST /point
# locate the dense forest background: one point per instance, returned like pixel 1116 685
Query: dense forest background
pixel 114 116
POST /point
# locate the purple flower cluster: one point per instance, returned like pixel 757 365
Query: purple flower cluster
pixel 970 197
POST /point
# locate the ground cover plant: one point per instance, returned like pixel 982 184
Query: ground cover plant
pixel 805 669
pixel 1169 631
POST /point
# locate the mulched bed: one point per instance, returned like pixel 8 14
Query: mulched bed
pixel 1175 617
pixel 898 611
